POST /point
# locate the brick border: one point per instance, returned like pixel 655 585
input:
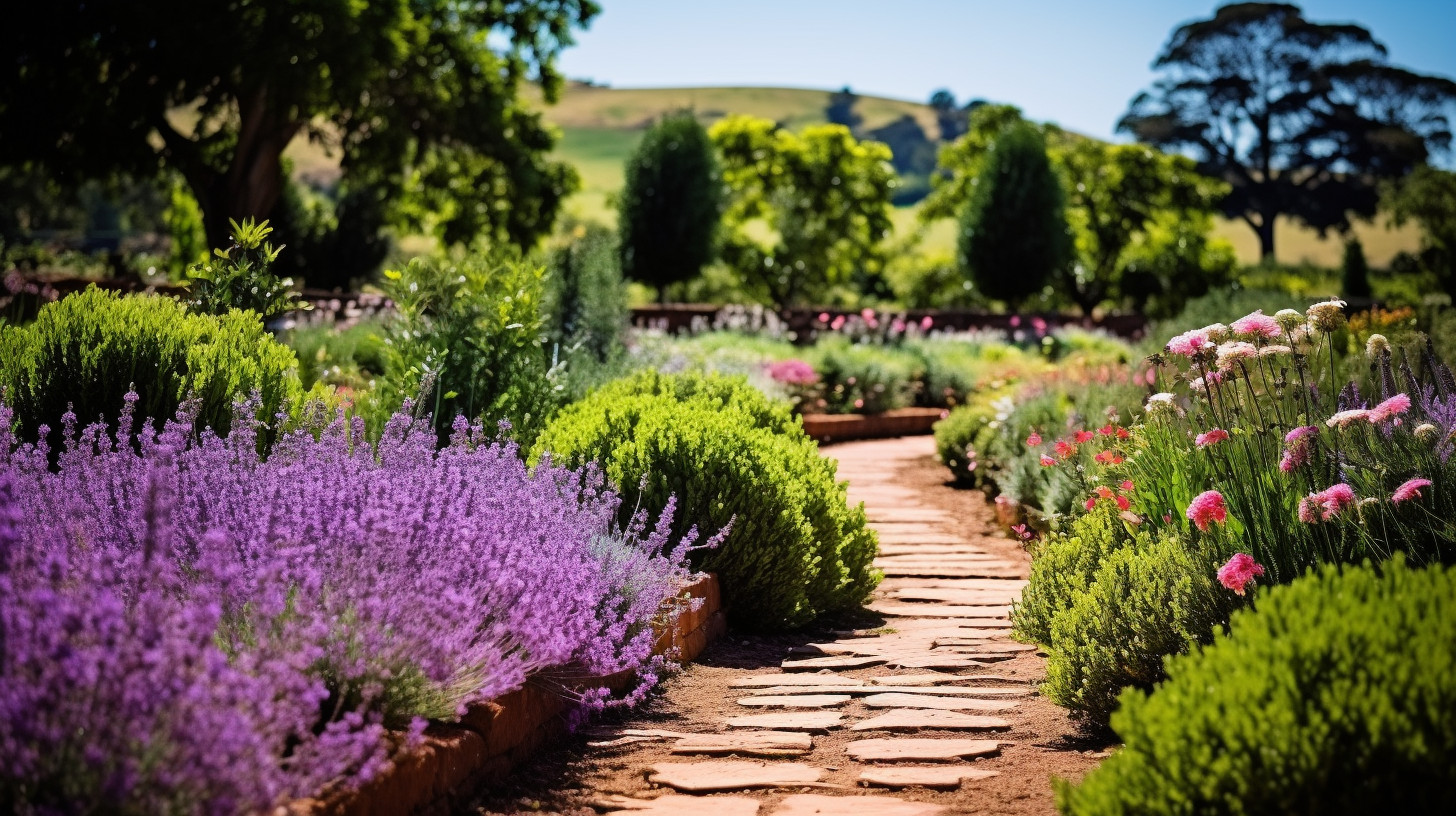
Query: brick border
pixel 895 422
pixel 493 738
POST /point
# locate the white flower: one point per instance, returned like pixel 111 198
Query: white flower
pixel 1162 403
pixel 1328 316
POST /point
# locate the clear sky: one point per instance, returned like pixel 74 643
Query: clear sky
pixel 1074 62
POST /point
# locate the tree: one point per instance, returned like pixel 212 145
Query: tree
pixel 840 110
pixel 1114 194
pixel 823 196
pixel 1428 197
pixel 1355 272
pixel 416 96
pixel 1302 119
pixel 950 118
pixel 1014 237
pixel 961 160
pixel 670 204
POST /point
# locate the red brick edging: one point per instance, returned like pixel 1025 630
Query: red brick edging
pixel 493 738
pixel 895 422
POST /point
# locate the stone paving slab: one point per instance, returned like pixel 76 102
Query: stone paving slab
pixel 729 775
pixel 795 700
pixel 941 777
pixel 901 749
pixel 947 662
pixel 901 700
pixel 932 571
pixel 789 721
pixel 817 663
pixel 926 610
pixel 751 743
pixel 817 804
pixel 914 719
pixel 957 595
pixel 932 691
pixel 765 680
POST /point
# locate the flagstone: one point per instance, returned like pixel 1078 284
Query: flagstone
pixel 903 700
pixel 754 743
pixel 965 597
pixel 944 661
pixel 915 718
pixel 796 700
pixel 818 804
pixel 944 611
pixel 997 570
pixel 789 721
pixel 817 663
pixel 947 691
pixel 765 680
pixel 897 749
pixel 726 775
pixel 945 777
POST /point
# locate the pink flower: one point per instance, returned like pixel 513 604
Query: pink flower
pixel 859 403
pixel 1257 324
pixel 897 325
pixel 926 322
pixel 1390 409
pixel 1081 437
pixel 1047 461
pixel 792 372
pixel 1239 572
pixel 1300 433
pixel 1207 507
pixel 1409 490
pixel 1122 502
pixel 1039 326
pixel 1015 321
pixel 1214 436
pixel 1235 350
pixel 1329 503
pixel 1034 439
pixel 867 313
pixel 1066 450
pixel 1126 484
pixel 1202 383
pixel 1090 503
pixel 1189 343
pixel 1344 418
pixel 838 323
pixel 823 317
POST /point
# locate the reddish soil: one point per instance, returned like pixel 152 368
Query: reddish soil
pixel 575 778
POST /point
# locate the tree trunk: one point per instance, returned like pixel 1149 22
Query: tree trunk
pixel 253 183
pixel 1265 229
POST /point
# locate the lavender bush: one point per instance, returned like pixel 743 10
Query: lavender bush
pixel 185 627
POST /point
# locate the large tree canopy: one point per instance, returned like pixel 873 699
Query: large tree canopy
pixel 416 96
pixel 1302 119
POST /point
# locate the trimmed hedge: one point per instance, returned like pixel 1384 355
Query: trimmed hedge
pixel 1335 695
pixel 85 351
pixel 795 550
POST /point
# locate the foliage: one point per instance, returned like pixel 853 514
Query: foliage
pixel 963 160
pixel 420 98
pixel 585 299
pixel 336 238
pixel 350 359
pixel 1428 197
pixel 862 379
pixel 792 550
pixel 823 195
pixel 1174 260
pixel 1014 238
pixel 183 220
pixel 961 435
pixel 1355 272
pixel 1333 696
pixel 240 276
pixel 467 341
pixel 231 632
pixel 85 352
pixel 1302 118
pixel 671 200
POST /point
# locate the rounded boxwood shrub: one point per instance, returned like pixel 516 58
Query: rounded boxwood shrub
pixel 85 351
pixel 1335 694
pixel 959 437
pixel 795 549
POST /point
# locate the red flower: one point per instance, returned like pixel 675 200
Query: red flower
pixel 1034 439
pixel 1047 461
pixel 1123 434
pixel 1104 491
pixel 1066 449
pixel 1091 503
pixel 1105 430
pixel 1127 484
pixel 1122 503
pixel 1083 436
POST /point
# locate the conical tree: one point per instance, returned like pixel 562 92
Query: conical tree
pixel 1014 236
pixel 670 205
pixel 1355 271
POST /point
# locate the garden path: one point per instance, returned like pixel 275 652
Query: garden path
pixel 926 707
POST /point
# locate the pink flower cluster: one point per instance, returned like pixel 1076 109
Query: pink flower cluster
pixel 1206 508
pixel 792 372
pixel 1257 324
pixel 1326 504
pixel 1297 450
pixel 1239 572
pixel 1190 343
pixel 1410 490
pixel 1212 437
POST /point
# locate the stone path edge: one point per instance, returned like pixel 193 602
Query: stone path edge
pixel 494 738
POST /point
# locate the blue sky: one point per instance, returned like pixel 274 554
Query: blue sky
pixel 1074 62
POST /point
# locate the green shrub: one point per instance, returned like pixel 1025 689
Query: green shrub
pixel 958 439
pixel 795 550
pixel 86 350
pixel 1064 564
pixel 1334 696
pixel 471 330
pixel 857 378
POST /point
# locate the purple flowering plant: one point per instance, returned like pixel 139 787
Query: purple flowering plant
pixel 186 626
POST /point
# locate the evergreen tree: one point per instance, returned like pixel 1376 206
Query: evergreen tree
pixel 670 204
pixel 1355 272
pixel 1014 236
pixel 840 110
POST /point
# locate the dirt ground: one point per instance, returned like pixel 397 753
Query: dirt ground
pixel 573 777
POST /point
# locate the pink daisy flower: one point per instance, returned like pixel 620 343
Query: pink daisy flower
pixel 1390 409
pixel 1239 572
pixel 1206 508
pixel 1409 490
pixel 1257 324
pixel 1189 343
pixel 1329 502
pixel 1214 436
